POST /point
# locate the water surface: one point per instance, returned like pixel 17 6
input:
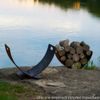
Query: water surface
pixel 28 26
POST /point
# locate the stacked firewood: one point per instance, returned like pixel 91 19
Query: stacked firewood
pixel 74 54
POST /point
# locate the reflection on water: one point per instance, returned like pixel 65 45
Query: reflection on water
pixel 27 26
pixel 91 5
pixel 76 5
pixel 28 2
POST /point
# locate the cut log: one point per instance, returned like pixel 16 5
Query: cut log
pixel 76 65
pixel 64 43
pixel 61 53
pixel 67 48
pixel 88 53
pixel 61 43
pixel 63 58
pixel 75 44
pixel 59 48
pixel 69 56
pixel 72 50
pixel 79 49
pixel 73 55
pixel 76 57
pixel 84 61
pixel 82 43
pixel 69 63
pixel 86 47
pixel 82 56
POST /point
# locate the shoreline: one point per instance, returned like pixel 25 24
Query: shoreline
pixel 58 81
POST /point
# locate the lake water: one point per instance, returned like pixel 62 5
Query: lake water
pixel 28 26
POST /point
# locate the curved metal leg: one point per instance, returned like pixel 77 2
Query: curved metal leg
pixel 10 56
pixel 37 69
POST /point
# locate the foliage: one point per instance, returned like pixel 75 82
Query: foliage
pixel 90 66
pixel 16 91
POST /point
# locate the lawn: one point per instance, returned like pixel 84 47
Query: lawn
pixel 16 91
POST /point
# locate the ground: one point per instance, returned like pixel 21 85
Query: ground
pixel 54 82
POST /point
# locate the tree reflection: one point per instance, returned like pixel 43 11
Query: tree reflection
pixel 93 6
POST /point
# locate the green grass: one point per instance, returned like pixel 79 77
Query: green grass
pixel 7 97
pixel 8 91
pixel 90 66
pixel 11 91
